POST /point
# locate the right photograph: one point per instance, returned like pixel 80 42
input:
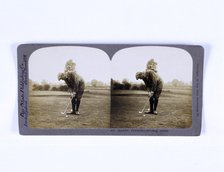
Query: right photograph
pixel 151 87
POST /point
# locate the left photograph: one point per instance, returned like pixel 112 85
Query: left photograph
pixel 69 87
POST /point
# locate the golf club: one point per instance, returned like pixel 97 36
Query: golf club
pixel 64 112
pixel 143 107
pixel 145 104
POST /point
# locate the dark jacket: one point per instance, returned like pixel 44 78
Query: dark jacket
pixel 74 82
pixel 153 82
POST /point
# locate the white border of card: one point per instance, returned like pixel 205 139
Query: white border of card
pixel 25 51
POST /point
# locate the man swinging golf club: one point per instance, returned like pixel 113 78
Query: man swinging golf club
pixel 75 85
pixel 154 85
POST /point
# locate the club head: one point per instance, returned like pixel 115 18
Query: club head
pixel 140 112
pixel 62 113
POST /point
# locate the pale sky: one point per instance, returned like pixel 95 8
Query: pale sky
pixel 173 63
pixel 93 63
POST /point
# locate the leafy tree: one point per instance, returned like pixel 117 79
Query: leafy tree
pixel 177 83
pixel 63 88
pixel 116 85
pixel 46 87
pixel 135 87
pixel 142 86
pixel 54 89
pixel 126 84
pixel 94 83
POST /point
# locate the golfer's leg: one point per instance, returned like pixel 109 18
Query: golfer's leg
pixel 78 101
pixel 77 104
pixel 156 100
pixel 74 101
pixel 156 103
pixel 151 102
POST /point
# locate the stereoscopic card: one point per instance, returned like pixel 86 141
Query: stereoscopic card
pixel 110 89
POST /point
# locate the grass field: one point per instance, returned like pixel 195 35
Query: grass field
pixel 100 110
pixel 174 109
pixel 46 107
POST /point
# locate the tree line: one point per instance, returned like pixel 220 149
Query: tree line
pixel 45 86
pixel 115 85
pixel 126 85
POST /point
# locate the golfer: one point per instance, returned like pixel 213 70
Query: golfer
pixel 76 86
pixel 154 85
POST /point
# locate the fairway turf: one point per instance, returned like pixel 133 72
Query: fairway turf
pixel 174 109
pixel 121 110
pixel 46 107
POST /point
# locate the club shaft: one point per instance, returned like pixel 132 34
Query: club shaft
pixel 144 106
pixel 66 107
